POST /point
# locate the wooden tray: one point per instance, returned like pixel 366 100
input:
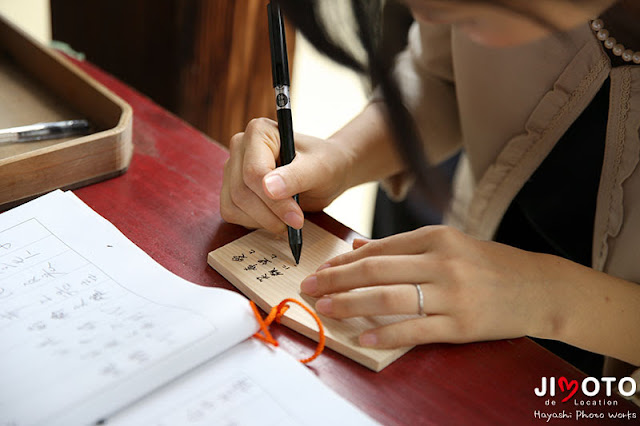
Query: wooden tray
pixel 38 84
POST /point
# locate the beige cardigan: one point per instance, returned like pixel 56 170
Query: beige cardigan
pixel 507 108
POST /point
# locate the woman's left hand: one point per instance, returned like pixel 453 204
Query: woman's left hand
pixel 472 290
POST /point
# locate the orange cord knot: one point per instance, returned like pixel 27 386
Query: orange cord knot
pixel 275 315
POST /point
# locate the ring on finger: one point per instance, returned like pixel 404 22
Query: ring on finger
pixel 420 300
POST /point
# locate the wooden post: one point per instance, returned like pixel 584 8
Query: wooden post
pixel 207 61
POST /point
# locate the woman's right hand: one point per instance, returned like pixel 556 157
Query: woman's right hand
pixel 256 194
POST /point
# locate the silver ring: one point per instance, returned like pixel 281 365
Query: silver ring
pixel 420 300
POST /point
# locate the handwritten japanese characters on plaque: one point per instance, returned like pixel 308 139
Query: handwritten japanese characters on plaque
pixel 261 266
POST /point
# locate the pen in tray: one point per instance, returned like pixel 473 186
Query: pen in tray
pixel 43 131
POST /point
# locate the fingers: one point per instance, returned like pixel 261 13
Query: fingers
pixel 238 203
pixel 438 326
pixel 359 242
pixel 260 149
pixel 228 209
pixel 429 238
pixel 370 271
pixel 429 329
pixel 385 300
pixel 407 243
pixel 243 200
pixel 230 213
pixel 257 193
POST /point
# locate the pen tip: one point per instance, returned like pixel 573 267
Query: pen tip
pixel 296 251
pixel 295 242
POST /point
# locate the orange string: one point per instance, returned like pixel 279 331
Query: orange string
pixel 276 314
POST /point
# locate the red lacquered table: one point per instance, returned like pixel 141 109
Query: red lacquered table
pixel 168 204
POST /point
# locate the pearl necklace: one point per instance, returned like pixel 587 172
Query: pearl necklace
pixel 611 43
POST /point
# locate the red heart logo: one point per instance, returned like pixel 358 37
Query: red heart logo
pixel 571 386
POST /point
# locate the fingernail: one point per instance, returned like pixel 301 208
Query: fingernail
pixel 359 242
pixel 324 305
pixel 324 266
pixel 275 185
pixel 294 220
pixel 368 339
pixel 309 285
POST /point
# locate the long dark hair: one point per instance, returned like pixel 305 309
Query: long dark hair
pixel 308 17
pixel 377 65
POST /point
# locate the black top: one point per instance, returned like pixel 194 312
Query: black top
pixel 554 212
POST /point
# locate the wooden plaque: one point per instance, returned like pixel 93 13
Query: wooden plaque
pixel 261 266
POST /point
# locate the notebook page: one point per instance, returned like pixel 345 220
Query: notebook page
pixel 251 384
pixel 89 322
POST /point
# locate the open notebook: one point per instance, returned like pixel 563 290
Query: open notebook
pixel 91 329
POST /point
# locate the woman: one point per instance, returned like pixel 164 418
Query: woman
pixel 546 107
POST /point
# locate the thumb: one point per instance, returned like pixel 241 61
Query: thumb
pixel 287 181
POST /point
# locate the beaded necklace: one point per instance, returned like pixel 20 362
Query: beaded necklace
pixel 618 49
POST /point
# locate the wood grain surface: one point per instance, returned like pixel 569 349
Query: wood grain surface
pixel 207 61
pixel 39 85
pixel 261 266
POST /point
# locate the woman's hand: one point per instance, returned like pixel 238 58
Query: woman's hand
pixel 257 195
pixel 473 290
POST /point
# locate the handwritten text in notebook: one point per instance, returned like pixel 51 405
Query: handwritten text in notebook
pixel 55 304
pixel 90 324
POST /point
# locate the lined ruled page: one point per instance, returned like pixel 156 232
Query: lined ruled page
pixel 250 384
pixel 88 322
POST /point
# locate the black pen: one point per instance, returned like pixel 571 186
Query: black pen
pixel 280 71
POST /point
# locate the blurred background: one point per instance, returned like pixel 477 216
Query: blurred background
pixel 206 61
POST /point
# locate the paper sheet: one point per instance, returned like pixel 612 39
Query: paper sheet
pixel 89 323
pixel 251 384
